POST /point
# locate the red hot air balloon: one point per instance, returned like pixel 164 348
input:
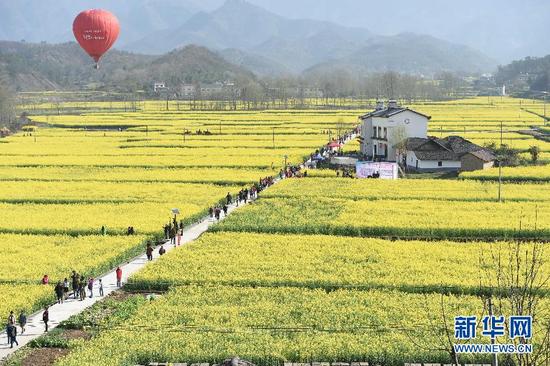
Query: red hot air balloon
pixel 96 31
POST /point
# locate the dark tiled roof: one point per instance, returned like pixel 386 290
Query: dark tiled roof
pixel 448 148
pixel 460 145
pixel 414 143
pixel 437 155
pixel 484 155
pixel 390 111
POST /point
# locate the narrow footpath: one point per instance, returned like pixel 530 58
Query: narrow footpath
pixel 60 312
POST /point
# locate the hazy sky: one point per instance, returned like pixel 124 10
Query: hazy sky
pixel 504 29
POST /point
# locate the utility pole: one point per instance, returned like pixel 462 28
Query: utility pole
pixel 495 355
pixel 500 133
pixel 167 99
pixel 545 95
pixel 499 181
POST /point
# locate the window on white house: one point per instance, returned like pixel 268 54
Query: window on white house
pixel 374 132
pixel 439 163
pixel 385 133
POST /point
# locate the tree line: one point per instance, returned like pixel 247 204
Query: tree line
pixel 7 108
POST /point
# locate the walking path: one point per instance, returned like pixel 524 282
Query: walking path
pixel 60 312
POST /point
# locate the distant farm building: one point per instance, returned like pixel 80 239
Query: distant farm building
pixel 452 153
pixel 398 134
pixel 159 87
pixel 218 89
pixel 188 90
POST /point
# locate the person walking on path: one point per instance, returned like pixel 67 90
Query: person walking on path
pixel 22 321
pixel 11 318
pixel 45 279
pixel 12 331
pixel 65 288
pixel 101 292
pixel 59 292
pixel 91 287
pixel 162 250
pixel 166 231
pixel 229 198
pixel 173 234
pixel 8 333
pixel 82 288
pixel 149 252
pixel 180 233
pixel 118 277
pixel 75 280
pixel 225 208
pixel 46 318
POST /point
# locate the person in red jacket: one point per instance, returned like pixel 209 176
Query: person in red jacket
pixel 118 277
pixel 45 279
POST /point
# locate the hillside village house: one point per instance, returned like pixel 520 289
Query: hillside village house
pixel 159 87
pixel 398 134
pixel 384 128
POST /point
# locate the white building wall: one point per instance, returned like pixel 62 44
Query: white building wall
pixel 400 126
pixel 430 164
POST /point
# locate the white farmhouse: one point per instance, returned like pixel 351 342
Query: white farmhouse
pixel 383 129
pixel 159 87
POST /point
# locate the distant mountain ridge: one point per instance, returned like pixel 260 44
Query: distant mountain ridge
pixel 412 54
pixel 37 67
pixel 297 45
pixel 258 40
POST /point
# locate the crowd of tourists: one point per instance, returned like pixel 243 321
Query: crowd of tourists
pixel 83 286
pixel 173 231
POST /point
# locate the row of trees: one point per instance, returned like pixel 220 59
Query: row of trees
pixel 336 89
pixel 7 108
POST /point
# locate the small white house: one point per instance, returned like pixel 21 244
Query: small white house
pixel 385 127
pixel 452 153
pixel 188 90
pixel 158 87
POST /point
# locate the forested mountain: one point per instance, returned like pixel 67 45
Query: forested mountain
pixel 30 67
pixel 531 72
pixel 259 65
pixel 410 53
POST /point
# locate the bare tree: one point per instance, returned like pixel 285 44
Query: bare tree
pixel 516 279
pixel 7 107
pixel 399 134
